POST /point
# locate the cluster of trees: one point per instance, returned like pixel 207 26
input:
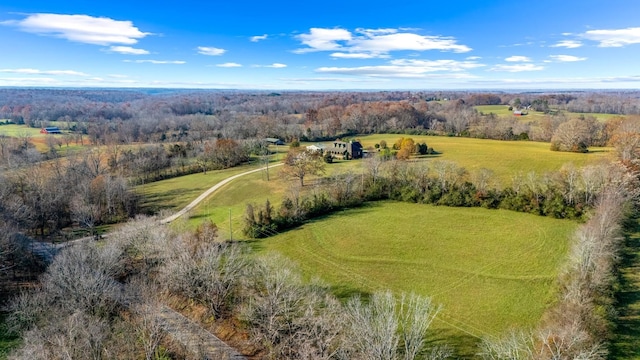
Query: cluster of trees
pixel 49 196
pixel 580 324
pixel 90 296
pixel 79 308
pixel 108 117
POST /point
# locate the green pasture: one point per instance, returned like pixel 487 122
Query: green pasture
pixel 178 192
pixel 492 270
pixel 37 139
pixel 503 110
pixel 505 158
pixel 14 130
pixel 226 207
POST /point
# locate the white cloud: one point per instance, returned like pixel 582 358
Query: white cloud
pixel 409 68
pixel 517 67
pixel 44 72
pixel 319 39
pixel 614 37
pixel 374 42
pixel 80 28
pixel 594 82
pixel 406 41
pixel 176 62
pixel 517 58
pixel 274 65
pixel 229 65
pixel 567 58
pixel 128 50
pixel 211 51
pixel 342 55
pixel 26 81
pixel 374 32
pixel 334 79
pixel 473 58
pixel 569 44
pixel 259 38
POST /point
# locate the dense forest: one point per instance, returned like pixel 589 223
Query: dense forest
pixel 108 116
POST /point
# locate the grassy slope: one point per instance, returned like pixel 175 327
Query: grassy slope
pixel 505 158
pixel 488 269
pixel 503 110
pixel 19 130
pixel 626 344
pixel 492 270
pixel 36 138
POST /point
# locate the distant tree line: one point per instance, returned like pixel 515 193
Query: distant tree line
pixel 124 117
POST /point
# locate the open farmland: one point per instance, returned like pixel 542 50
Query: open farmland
pixel 491 269
pixel 503 110
pixel 504 158
pixel 38 140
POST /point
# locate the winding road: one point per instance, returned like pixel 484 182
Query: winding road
pixel 210 191
pixel 192 336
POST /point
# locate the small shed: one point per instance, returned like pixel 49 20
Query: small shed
pixel 274 141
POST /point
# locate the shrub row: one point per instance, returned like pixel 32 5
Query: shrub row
pixel 344 191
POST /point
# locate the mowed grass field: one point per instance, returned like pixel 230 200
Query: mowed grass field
pixel 504 158
pixel 492 270
pixel 36 138
pixel 503 110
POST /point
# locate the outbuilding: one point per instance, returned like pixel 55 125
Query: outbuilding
pixel 50 130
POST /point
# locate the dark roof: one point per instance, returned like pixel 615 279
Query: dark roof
pixel 275 141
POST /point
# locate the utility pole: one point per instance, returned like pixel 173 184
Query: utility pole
pixel 230 227
pixel 267 157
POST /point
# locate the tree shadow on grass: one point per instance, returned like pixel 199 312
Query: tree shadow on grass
pixel 626 341
pixel 154 202
pixel 464 346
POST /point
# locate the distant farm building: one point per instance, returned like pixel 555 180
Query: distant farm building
pixel 346 150
pixel 50 130
pixel 274 141
pixel 517 113
pixel 316 147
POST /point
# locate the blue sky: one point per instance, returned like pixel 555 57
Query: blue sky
pixel 321 45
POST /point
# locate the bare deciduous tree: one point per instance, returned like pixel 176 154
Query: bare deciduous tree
pixel 385 330
pixel 572 135
pixel 81 278
pixel 210 273
pixel 300 163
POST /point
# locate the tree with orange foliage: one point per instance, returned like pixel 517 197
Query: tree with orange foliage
pixel 405 147
pixel 626 139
